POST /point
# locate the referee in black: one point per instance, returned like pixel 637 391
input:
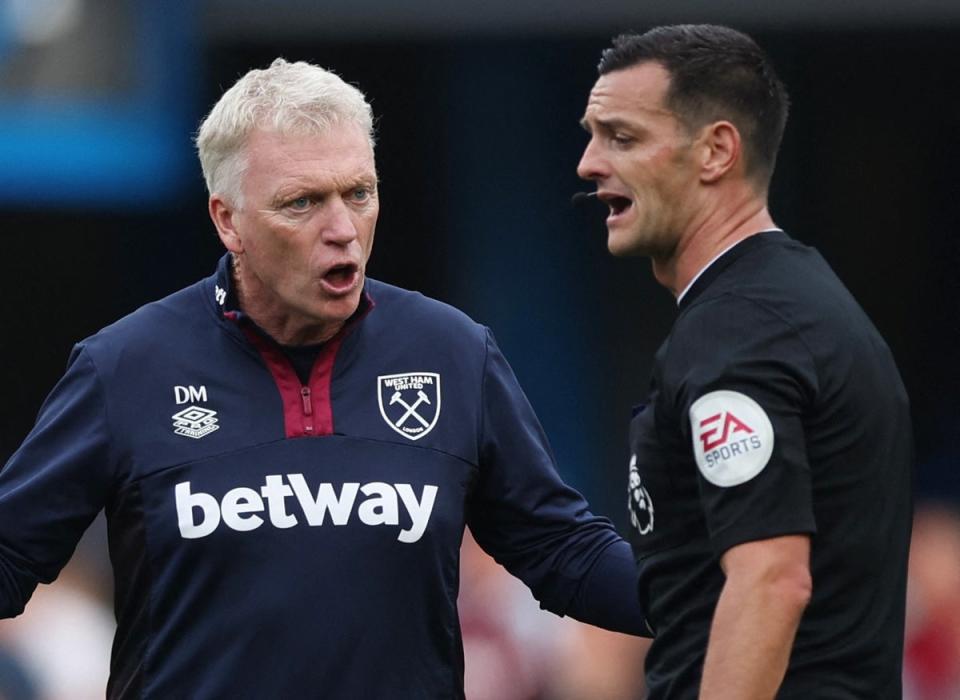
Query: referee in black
pixel 770 476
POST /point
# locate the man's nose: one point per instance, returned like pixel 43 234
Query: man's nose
pixel 591 166
pixel 338 224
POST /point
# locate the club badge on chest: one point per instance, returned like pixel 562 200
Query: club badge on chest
pixel 410 402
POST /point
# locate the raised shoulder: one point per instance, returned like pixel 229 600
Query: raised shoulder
pixel 421 314
pixel 154 329
pixel 721 323
pixel 731 341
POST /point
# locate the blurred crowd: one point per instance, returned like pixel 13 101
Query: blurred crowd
pixel 60 648
pixel 932 654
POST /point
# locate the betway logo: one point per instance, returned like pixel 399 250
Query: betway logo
pixel 239 507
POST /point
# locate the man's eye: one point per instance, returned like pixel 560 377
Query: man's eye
pixel 300 203
pixel 361 194
pixel 621 139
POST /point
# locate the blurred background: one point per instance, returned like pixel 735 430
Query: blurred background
pixel 102 208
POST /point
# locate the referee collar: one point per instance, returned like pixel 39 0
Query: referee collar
pixel 718 264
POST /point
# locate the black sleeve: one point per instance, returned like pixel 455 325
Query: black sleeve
pixel 746 379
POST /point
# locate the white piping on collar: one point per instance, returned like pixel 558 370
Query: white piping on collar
pixel 714 259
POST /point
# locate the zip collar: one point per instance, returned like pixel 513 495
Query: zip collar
pixel 307 408
pixel 221 294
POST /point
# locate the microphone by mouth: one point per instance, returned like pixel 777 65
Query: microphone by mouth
pixel 580 197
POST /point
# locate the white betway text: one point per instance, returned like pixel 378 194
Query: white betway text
pixel 239 507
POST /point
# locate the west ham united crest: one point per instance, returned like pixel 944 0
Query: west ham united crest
pixel 410 403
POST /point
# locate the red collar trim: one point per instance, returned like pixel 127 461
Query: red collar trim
pixel 307 409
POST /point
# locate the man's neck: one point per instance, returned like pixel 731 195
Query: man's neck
pixel 276 321
pixel 718 230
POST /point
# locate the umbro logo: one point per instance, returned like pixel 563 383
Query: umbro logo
pixel 193 421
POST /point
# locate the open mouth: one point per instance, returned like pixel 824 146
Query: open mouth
pixel 618 205
pixel 341 279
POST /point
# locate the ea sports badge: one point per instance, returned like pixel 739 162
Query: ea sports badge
pixel 732 437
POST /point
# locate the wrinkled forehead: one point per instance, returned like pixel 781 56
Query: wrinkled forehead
pixel 639 91
pixel 292 124
pixel 338 154
pixel 336 141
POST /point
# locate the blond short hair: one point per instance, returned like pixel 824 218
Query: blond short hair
pixel 289 98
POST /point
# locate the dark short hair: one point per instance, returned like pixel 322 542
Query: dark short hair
pixel 715 73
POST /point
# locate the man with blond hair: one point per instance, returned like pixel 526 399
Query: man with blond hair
pixel 288 451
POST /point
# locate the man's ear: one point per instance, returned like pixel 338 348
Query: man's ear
pixel 721 150
pixel 222 215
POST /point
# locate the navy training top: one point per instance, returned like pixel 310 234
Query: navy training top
pixel 271 538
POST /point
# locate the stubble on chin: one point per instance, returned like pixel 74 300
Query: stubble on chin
pixel 657 246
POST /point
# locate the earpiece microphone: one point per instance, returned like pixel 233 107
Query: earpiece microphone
pixel 581 197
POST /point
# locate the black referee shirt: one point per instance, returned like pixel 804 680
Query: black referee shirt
pixel 775 408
